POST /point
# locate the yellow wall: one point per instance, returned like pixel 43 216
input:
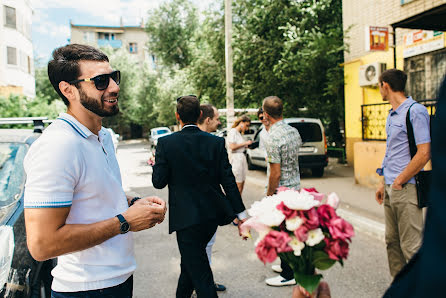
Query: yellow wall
pixel 368 157
pixel 8 90
pixel 355 96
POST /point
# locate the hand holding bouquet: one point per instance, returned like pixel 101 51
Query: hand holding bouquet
pixel 305 233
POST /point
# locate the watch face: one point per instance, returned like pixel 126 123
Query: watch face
pixel 125 227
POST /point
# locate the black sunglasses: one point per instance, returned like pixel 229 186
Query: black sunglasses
pixel 102 81
pixel 261 118
pixel 178 99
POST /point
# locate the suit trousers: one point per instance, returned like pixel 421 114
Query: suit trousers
pixel 196 272
pixel 404 225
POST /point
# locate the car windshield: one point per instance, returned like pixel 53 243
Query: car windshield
pixel 12 175
pixel 309 131
pixel 160 132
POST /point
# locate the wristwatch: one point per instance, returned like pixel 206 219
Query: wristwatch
pixel 125 226
pixel 134 200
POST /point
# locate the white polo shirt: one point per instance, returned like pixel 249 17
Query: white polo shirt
pixel 69 166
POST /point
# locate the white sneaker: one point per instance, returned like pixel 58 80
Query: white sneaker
pixel 279 281
pixel 276 268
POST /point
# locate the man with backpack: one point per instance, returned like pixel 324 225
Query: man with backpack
pixel 403 217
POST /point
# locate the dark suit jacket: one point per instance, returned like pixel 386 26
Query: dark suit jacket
pixel 424 275
pixel 194 164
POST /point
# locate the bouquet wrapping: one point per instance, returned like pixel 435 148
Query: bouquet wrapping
pixel 300 229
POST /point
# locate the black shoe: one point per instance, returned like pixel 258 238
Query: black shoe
pixel 220 288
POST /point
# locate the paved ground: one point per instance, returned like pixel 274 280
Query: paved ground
pixel 235 264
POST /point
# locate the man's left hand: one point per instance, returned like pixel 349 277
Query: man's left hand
pixel 396 185
pixel 240 222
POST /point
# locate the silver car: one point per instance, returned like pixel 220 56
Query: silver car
pixel 312 153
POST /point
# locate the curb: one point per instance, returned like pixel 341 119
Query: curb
pixel 360 223
pixel 364 224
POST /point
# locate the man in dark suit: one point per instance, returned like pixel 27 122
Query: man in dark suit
pixel 194 164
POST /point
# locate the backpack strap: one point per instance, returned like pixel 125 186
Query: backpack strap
pixel 410 135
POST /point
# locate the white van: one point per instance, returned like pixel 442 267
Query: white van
pixel 312 153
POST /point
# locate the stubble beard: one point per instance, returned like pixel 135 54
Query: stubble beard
pixel 96 106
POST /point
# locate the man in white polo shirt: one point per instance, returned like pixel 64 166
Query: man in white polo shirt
pixel 75 207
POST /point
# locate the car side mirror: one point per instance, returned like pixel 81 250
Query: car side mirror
pixel 254 145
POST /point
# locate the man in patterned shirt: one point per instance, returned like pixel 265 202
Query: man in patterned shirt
pixel 282 148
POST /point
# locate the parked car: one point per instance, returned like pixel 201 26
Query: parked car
pixel 312 153
pixel 253 128
pixel 115 138
pixel 20 274
pixel 156 133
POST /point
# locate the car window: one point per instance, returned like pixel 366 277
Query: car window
pixel 12 175
pixel 160 132
pixel 257 136
pixel 309 132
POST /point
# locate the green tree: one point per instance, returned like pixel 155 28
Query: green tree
pixel 171 28
pixel 44 89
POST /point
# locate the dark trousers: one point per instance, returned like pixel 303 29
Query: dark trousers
pixel 196 272
pixel 287 272
pixel 124 290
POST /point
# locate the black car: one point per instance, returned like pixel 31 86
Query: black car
pixel 20 274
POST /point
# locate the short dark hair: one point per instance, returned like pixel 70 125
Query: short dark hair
pixel 188 107
pixel 260 111
pixel 65 64
pixel 207 110
pixel 395 78
pixel 273 106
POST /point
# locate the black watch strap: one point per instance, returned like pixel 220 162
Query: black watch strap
pixel 125 226
pixel 134 200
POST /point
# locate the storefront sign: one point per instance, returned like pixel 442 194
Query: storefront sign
pixel 376 38
pixel 422 41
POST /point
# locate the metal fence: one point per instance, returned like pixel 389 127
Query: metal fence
pixel 374 116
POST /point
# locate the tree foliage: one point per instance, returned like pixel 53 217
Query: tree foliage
pixel 171 28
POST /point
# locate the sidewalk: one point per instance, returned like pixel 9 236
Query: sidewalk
pixel 358 204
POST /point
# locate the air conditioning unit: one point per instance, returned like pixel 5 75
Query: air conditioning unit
pixel 369 73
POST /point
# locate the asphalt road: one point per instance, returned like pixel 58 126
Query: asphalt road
pixel 235 264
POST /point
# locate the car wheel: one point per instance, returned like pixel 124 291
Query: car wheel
pixel 317 172
pixel 250 165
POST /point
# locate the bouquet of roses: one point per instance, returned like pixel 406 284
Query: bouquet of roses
pixel 305 233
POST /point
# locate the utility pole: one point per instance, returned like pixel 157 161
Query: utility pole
pixel 228 60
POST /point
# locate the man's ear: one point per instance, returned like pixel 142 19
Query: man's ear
pixel 177 116
pixel 67 90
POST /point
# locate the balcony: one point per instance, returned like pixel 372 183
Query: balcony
pixel 114 43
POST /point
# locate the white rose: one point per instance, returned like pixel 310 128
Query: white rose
pixel 266 205
pixel 296 245
pixel 273 218
pixel 293 224
pixel 299 201
pixel 314 237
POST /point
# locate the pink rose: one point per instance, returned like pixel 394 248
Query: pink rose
pixel 340 229
pixel 301 233
pixel 273 243
pixel 289 213
pixel 282 188
pixel 326 214
pixel 253 223
pixel 336 249
pixel 310 217
pixel 316 195
pixel 333 200
pixel 265 252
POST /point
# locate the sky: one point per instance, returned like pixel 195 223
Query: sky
pixel 51 18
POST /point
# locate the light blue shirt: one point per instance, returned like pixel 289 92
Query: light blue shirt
pixel 397 151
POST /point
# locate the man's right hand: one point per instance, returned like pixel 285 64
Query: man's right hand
pixel 379 194
pixel 145 213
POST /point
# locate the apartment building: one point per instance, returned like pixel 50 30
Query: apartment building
pixel 16 49
pixel 384 34
pixel 133 38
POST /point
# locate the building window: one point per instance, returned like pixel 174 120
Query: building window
pixel 88 36
pixel 12 55
pixel 133 47
pixel 10 17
